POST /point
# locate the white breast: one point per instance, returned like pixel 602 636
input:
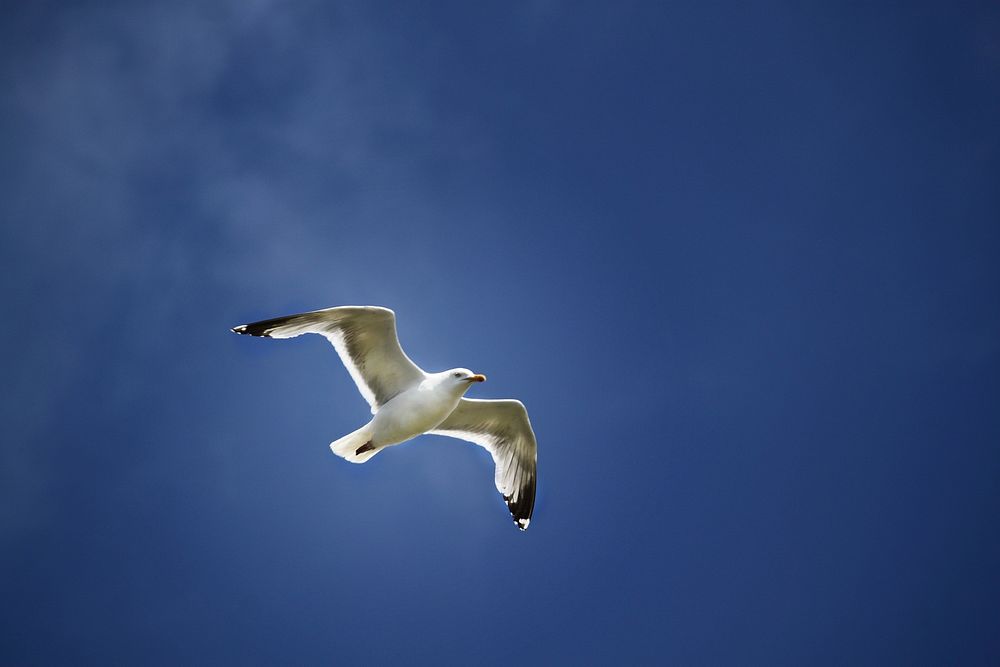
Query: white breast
pixel 411 413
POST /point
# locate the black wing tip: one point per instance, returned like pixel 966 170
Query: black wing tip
pixel 245 330
pixel 521 509
pixel 262 329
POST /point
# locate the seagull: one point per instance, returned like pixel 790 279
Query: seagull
pixel 407 401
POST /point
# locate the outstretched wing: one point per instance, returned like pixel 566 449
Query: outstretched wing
pixel 364 337
pixel 503 429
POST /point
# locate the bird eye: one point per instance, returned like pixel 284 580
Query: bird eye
pixel 458 375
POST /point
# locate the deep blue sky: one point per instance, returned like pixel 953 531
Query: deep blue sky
pixel 741 262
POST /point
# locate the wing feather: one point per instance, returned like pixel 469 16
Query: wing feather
pixel 365 339
pixel 503 429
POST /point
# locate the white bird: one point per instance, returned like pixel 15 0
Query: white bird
pixel 407 402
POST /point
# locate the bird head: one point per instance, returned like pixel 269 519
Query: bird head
pixel 462 378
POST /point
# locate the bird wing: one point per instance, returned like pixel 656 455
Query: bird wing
pixel 503 429
pixel 364 337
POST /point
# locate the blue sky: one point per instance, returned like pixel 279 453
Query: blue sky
pixel 741 263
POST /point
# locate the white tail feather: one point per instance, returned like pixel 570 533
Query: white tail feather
pixel 347 446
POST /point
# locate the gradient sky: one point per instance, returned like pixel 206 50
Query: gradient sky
pixel 740 261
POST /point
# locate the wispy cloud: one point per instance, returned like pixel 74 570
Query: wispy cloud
pixel 143 169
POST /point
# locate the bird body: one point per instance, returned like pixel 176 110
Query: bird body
pixel 407 402
pixel 418 409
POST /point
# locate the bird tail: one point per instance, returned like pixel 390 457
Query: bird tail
pixel 356 447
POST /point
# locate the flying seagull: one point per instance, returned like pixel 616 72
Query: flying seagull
pixel 406 401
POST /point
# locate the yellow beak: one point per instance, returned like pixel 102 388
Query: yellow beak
pixel 477 378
